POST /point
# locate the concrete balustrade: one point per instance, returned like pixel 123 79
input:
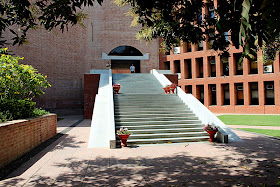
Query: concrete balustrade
pixel 102 133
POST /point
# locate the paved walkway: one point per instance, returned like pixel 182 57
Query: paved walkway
pixel 68 162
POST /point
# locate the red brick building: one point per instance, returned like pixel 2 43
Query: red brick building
pixel 66 57
pixel 222 84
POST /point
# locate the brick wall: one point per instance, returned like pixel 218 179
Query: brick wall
pixel 20 136
pixel 221 83
pixel 66 57
pixel 194 83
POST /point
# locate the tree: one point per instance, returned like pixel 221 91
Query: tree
pixel 19 16
pixel 19 84
pixel 250 24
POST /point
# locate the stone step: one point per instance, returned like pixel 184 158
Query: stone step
pixel 148 111
pixel 165 130
pixel 148 99
pixel 153 102
pixel 134 91
pixel 148 118
pixel 144 95
pixel 139 87
pixel 137 79
pixel 158 100
pixel 158 126
pixel 167 135
pixel 132 115
pixel 152 116
pixel 148 102
pixel 183 121
pixel 167 140
pixel 153 107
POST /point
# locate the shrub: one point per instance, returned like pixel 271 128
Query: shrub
pixel 18 109
pixel 40 112
pixel 19 81
pixel 5 116
pixel 19 84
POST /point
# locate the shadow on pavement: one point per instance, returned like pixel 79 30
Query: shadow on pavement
pixel 253 162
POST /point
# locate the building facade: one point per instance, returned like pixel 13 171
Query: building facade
pixel 223 84
pixel 65 57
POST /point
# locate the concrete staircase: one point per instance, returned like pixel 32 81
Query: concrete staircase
pixel 152 116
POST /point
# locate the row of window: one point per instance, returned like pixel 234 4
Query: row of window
pixel 238 91
pixel 212 67
pixel 187 47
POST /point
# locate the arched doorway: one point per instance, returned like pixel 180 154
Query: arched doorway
pixel 122 65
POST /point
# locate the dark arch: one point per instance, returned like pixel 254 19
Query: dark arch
pixel 125 51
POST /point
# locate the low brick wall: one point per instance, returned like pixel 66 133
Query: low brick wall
pixel 20 136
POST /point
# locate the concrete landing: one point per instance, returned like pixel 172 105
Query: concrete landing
pixel 68 162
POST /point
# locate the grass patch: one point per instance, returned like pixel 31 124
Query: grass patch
pixel 275 133
pixel 251 120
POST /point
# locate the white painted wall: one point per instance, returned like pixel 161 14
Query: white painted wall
pixel 103 123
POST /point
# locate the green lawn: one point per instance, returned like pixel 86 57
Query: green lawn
pixel 251 120
pixel 275 133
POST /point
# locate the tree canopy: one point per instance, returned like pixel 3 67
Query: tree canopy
pixel 252 24
pixel 19 16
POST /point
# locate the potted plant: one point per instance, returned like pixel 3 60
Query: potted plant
pixel 211 130
pixel 166 89
pixel 116 88
pixel 123 133
pixel 172 88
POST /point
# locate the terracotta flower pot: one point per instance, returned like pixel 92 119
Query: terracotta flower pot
pixel 124 139
pixel 116 88
pixel 211 135
pixel 166 89
pixel 172 88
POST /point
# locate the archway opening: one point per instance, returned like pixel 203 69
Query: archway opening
pixel 123 65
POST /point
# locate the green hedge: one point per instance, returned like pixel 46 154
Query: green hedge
pixel 17 109
pixel 19 84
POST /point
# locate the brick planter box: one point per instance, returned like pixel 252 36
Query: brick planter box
pixel 20 136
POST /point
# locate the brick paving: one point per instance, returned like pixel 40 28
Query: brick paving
pixel 68 162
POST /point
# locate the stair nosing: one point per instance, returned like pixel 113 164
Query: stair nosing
pixel 161 139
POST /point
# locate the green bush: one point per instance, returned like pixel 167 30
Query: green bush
pixel 19 84
pixel 18 109
pixel 5 116
pixel 40 112
pixel 19 81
